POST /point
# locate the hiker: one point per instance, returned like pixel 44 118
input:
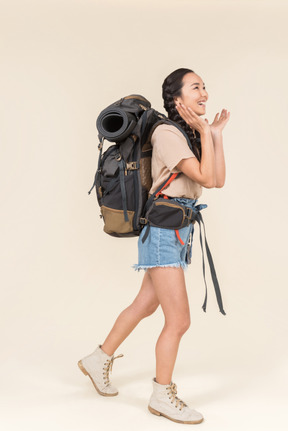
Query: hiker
pixel 165 254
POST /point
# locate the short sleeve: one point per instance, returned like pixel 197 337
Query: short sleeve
pixel 171 146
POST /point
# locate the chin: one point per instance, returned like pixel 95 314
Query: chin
pixel 199 111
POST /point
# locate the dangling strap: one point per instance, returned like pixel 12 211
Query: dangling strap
pixel 199 219
pixel 122 167
pixel 100 148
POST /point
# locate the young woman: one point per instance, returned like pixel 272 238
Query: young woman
pixel 163 257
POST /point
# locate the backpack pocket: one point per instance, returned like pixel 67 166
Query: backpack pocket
pixel 114 222
pixel 168 215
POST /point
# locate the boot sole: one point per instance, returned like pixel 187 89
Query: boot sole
pixel 85 372
pixel 155 412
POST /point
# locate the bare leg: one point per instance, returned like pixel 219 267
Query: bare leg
pixel 145 303
pixel 169 284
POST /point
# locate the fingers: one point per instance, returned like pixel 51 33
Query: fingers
pixel 186 113
pixel 183 112
pixel 224 115
pixel 183 108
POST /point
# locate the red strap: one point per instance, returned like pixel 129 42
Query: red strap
pixel 178 236
pixel 168 182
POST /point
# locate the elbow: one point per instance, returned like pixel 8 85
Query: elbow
pixel 210 184
pixel 220 184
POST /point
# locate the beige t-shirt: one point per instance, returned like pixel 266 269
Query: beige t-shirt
pixel 169 148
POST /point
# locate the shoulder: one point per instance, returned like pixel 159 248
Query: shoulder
pixel 167 130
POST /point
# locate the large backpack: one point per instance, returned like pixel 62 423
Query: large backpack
pixel 123 176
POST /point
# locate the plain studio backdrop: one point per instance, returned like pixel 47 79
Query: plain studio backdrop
pixel 64 281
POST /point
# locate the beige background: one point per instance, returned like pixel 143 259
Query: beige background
pixel 64 281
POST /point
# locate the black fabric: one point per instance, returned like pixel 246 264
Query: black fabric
pixel 163 213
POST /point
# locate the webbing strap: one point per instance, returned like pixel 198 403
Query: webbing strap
pixel 123 189
pixel 199 219
pixel 146 233
pixel 100 147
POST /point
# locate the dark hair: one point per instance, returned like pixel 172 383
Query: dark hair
pixel 172 87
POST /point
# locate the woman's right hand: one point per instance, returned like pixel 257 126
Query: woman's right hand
pixel 192 119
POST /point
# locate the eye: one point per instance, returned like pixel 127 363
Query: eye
pixel 204 88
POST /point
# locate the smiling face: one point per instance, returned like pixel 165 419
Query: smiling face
pixel 193 93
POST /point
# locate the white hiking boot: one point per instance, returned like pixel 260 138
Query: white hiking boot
pixel 164 402
pixel 97 366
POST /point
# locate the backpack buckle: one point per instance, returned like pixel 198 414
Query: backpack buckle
pixel 189 213
pixel 143 220
pixel 132 166
pixel 100 145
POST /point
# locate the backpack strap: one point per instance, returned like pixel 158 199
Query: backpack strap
pixel 122 167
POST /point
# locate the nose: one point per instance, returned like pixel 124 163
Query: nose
pixel 204 93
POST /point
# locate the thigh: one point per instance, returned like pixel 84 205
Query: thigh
pixel 170 288
pixel 147 295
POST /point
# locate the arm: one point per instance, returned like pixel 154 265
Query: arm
pixel 204 172
pixel 220 169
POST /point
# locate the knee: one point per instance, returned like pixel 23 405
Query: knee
pixel 179 326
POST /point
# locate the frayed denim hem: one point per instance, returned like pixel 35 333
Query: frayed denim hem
pixel 173 265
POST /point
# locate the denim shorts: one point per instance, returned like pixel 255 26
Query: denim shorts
pixel 163 248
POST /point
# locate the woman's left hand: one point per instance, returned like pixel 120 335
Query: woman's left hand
pixel 220 122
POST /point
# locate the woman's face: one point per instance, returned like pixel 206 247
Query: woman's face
pixel 193 93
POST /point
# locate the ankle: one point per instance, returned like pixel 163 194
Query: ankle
pixel 162 381
pixel 106 351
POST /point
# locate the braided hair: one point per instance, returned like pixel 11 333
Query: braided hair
pixel 171 88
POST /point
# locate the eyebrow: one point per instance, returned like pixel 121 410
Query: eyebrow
pixel 198 83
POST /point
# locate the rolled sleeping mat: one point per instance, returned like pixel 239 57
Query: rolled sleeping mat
pixel 115 124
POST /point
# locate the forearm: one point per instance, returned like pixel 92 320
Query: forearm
pixel 207 164
pixel 220 169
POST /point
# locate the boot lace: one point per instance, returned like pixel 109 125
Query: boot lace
pixel 172 394
pixel 108 368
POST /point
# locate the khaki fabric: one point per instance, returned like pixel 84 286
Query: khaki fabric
pixel 169 148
